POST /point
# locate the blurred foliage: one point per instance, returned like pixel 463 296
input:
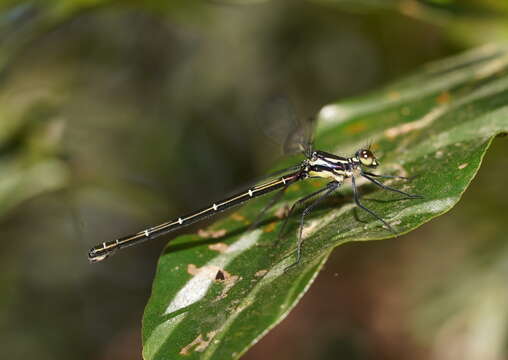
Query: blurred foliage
pixel 457 18
pixel 118 114
pixel 30 135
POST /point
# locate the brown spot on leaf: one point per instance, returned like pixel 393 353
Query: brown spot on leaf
pixel 192 269
pixel 260 273
pixel 214 234
pixel 199 344
pixel 419 124
pixel 356 128
pixel 238 217
pixel 209 271
pixel 270 227
pixel 220 247
pixel 443 98
pixel 282 212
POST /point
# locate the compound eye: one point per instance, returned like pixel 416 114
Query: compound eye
pixel 366 157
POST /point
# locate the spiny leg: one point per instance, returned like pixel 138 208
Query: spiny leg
pixel 295 205
pixel 330 187
pixel 386 187
pixel 361 206
pixel 386 176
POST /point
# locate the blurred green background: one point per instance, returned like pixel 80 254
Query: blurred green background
pixel 115 115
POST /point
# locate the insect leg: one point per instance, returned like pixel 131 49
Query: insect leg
pixel 330 188
pixel 361 206
pixel 295 205
pixel 381 185
pixel 386 176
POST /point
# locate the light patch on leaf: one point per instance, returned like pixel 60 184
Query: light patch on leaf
pixel 196 288
pixel 333 114
pixel 282 212
pixel 315 225
pixel 310 228
pixel 492 67
pixel 208 271
pixel 415 125
pixel 393 95
pixel 199 344
pixel 462 166
pixel 260 273
pixel 220 247
pixel 427 207
pixel 192 269
pixel 213 234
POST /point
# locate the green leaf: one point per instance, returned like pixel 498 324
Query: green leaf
pixel 435 125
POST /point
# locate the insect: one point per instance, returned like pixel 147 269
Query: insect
pixel 317 164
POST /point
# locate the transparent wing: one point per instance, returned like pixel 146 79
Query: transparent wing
pixel 279 122
pixel 300 138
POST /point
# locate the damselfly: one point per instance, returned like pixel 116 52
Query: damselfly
pixel 317 164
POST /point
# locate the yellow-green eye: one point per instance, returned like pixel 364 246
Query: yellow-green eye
pixel 366 157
